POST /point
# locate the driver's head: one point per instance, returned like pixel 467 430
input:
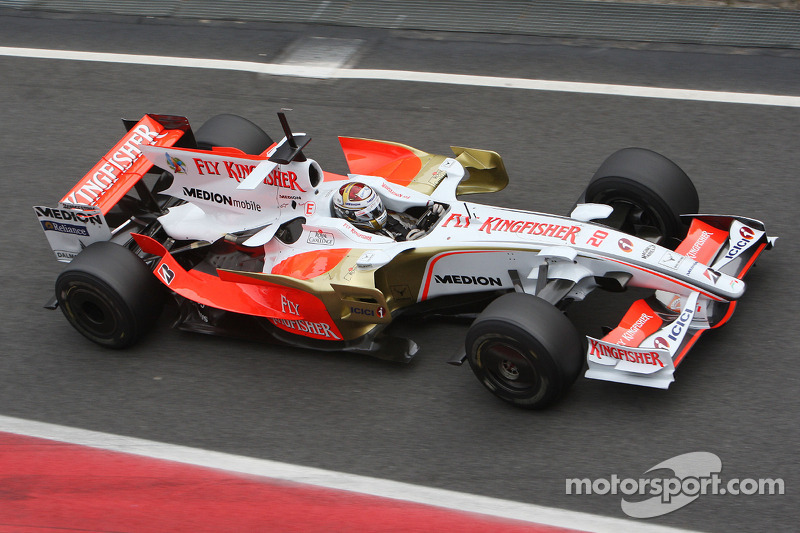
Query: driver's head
pixel 360 205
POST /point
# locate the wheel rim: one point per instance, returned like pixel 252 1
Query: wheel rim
pixel 91 311
pixel 639 215
pixel 508 368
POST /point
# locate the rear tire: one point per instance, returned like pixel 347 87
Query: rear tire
pixel 232 131
pixel 109 295
pixel 649 189
pixel 524 350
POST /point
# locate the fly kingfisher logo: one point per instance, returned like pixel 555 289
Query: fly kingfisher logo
pixel 673 484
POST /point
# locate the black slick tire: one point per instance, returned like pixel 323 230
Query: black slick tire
pixel 232 131
pixel 524 350
pixel 109 295
pixel 652 189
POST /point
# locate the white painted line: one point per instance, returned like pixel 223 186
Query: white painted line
pixel 311 71
pixel 332 480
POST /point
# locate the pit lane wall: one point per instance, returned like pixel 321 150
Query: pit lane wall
pixel 744 23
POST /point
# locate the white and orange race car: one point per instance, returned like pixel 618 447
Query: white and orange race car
pixel 241 231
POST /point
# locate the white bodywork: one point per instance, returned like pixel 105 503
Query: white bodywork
pixel 481 247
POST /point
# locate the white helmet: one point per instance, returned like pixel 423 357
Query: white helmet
pixel 360 205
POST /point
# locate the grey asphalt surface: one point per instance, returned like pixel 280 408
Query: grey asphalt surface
pixel 736 394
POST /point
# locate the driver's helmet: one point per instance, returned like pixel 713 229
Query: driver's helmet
pixel 360 205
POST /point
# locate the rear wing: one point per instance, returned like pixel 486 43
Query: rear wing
pixel 79 218
pixel 123 166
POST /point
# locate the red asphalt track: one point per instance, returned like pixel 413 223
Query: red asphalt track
pixel 48 485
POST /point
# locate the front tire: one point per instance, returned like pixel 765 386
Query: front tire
pixel 524 350
pixel 648 192
pixel 109 295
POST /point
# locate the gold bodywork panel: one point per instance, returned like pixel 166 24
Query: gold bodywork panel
pixel 487 173
pixel 348 294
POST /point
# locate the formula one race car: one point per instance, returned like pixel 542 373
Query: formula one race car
pixel 251 237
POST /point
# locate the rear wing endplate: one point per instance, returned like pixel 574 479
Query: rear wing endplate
pixel 70 228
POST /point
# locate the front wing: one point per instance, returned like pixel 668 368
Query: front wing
pixel 656 333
